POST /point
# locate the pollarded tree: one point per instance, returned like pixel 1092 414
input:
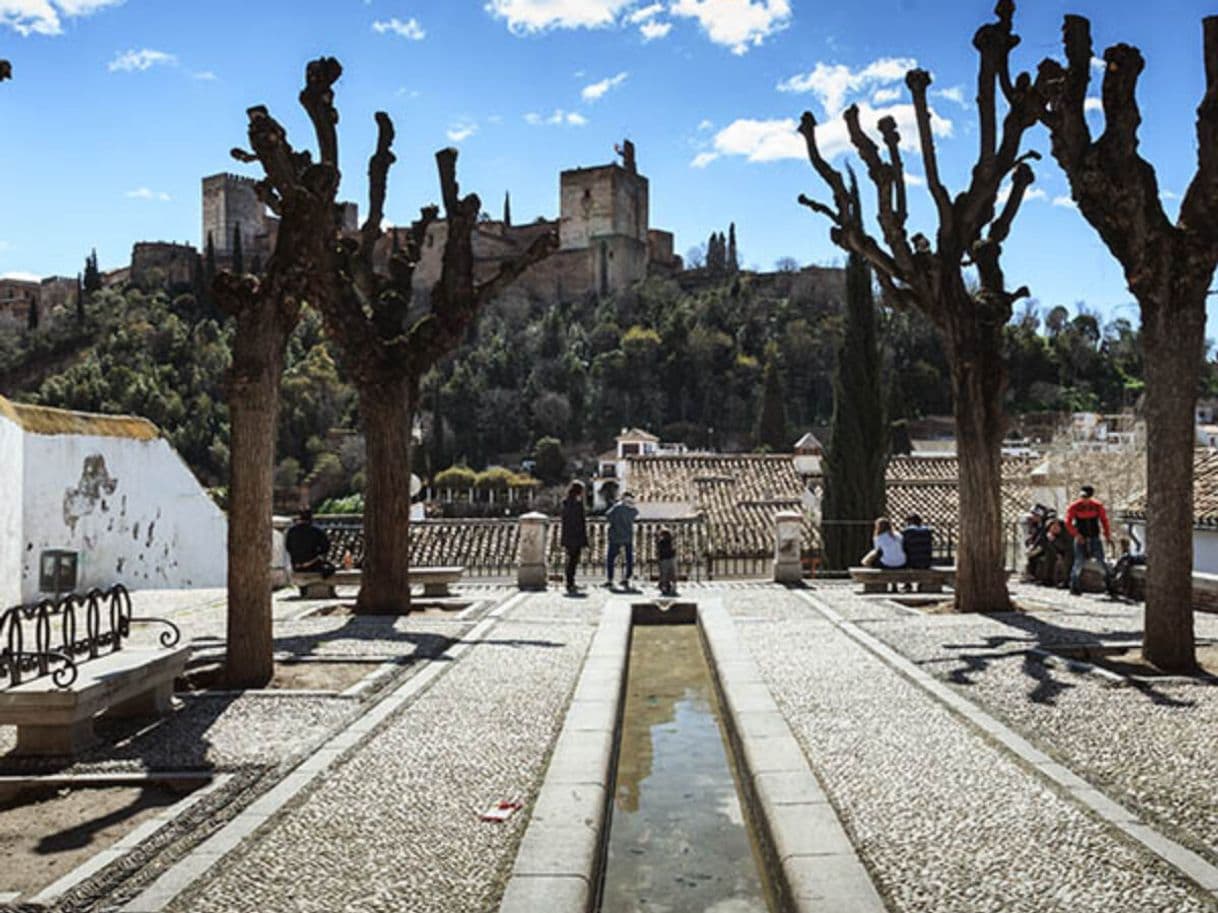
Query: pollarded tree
pixel 301 192
pixel 1169 268
pixel 858 443
pixel 915 273
pixel 6 70
pixel 388 346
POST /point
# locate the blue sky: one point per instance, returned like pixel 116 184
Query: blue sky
pixel 118 108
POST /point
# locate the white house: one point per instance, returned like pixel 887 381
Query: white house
pixel 613 468
pixel 1205 513
pixel 109 489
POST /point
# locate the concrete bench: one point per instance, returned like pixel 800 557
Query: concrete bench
pixel 927 580
pixel 131 682
pixel 436 581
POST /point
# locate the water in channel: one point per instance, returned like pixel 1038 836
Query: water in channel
pixel 678 841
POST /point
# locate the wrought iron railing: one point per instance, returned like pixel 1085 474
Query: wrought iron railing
pixel 53 636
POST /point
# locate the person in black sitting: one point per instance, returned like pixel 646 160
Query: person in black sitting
pixel 918 543
pixel 308 545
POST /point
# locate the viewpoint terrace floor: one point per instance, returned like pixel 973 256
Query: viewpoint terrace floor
pixel 951 752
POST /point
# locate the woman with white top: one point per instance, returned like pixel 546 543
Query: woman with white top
pixel 889 551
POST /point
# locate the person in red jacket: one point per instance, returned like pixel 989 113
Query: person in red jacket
pixel 1085 520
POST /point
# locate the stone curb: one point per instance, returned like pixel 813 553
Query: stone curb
pixel 1190 864
pixel 182 875
pixel 819 869
pixel 558 865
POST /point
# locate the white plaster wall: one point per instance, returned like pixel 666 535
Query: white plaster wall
pixel 10 513
pixel 1205 548
pixel 132 509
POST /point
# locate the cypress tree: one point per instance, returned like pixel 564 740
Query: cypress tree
pixel 857 452
pixel 733 264
pixel 238 257
pixel 772 422
pixel 80 300
pixel 32 316
pixel 93 281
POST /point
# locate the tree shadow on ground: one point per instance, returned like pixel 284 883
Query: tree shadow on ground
pixel 1039 637
pixel 82 834
pixel 424 645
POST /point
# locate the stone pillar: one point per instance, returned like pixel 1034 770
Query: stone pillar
pixel 531 572
pixel 787 532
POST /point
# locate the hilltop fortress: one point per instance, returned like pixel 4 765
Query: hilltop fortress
pixel 605 240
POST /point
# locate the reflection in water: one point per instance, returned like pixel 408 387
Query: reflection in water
pixel 677 840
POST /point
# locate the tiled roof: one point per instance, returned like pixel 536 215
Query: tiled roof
pixel 946 468
pixel 45 420
pixel 1205 491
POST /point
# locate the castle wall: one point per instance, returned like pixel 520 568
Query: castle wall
pixel 176 262
pixel 230 200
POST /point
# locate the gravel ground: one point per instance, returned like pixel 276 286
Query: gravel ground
pixel 944 819
pixel 395 826
pixel 1150 748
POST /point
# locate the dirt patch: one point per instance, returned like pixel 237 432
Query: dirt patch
pixel 419 605
pixel 315 676
pixel 1128 661
pixel 289 676
pixel 44 837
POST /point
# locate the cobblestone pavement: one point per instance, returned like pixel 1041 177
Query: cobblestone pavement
pixel 945 820
pixel 1150 747
pixel 395 825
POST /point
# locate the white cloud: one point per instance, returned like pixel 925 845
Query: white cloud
pixel 143 193
pixel 1093 104
pixel 705 125
pixel 461 131
pixel 1098 65
pixel 43 17
pixel 130 61
pixel 408 29
pixel 558 118
pixel 653 30
pixel 702 159
pixel 1065 202
pixel 773 140
pixel 205 76
pixel 1169 195
pixel 914 180
pixel 597 90
pixel 526 16
pixel 646 13
pixel 885 96
pixel 952 93
pixel 834 84
pixel 736 24
pixel 1032 193
pixel 21 277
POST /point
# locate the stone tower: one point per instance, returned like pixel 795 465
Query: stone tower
pixel 229 201
pixel 604 211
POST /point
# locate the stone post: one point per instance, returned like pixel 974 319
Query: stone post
pixel 787 532
pixel 531 573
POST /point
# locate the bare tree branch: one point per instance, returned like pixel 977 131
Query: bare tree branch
pixel 317 98
pixel 1199 209
pixel 918 82
pixel 1020 181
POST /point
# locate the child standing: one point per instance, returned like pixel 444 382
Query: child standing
pixel 666 554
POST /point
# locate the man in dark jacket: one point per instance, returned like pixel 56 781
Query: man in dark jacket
pixel 620 522
pixel 308 546
pixel 574 537
pixel 1085 519
pixel 918 542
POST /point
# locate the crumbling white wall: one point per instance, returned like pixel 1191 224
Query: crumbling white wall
pixel 11 541
pixel 131 508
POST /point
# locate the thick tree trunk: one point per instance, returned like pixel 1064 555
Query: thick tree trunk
pixel 253 403
pixel 1173 338
pixel 978 385
pixel 385 588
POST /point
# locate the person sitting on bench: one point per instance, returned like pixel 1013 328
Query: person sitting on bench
pixel 308 545
pixel 918 544
pixel 889 552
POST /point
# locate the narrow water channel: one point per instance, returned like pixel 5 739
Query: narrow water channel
pixel 678 840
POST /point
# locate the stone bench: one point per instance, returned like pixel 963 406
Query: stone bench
pixel 436 581
pixel 131 682
pixel 926 580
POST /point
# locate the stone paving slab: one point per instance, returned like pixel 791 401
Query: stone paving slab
pixel 395 825
pixel 945 819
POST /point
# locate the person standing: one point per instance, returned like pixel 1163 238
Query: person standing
pixel 574 536
pixel 620 518
pixel 666 557
pixel 1086 518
